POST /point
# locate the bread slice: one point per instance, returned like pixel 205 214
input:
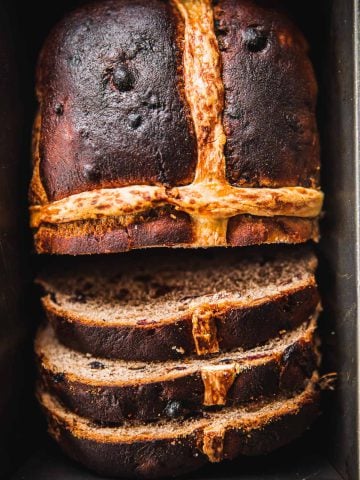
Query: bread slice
pixel 113 391
pixel 175 447
pixel 153 307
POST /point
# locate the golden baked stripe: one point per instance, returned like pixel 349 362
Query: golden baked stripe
pixel 211 201
pixel 204 90
pixel 217 380
pixel 213 442
pixel 37 189
pixel 204 331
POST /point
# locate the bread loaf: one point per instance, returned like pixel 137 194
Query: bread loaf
pixel 174 124
pixel 182 123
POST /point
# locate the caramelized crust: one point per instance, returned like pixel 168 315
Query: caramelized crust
pixel 247 230
pixel 221 73
pixel 111 235
pixel 111 90
pixel 270 100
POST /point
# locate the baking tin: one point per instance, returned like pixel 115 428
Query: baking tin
pixel 329 451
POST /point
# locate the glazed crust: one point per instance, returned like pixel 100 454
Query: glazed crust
pixel 166 229
pixel 170 457
pixel 172 102
pixel 270 98
pixel 246 230
pixel 112 105
pixel 282 375
pixel 243 327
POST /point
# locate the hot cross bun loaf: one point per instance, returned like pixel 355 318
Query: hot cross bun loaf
pixel 174 124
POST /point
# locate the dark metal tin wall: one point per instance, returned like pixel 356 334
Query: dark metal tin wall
pixel 330 26
pixel 13 271
pixel 339 247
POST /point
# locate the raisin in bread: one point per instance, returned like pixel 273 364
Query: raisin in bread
pixel 174 124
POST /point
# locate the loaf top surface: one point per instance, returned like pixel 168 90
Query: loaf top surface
pixel 112 105
pixel 270 95
pixel 111 87
pixel 207 109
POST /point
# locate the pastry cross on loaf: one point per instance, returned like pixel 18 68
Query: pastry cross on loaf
pixel 177 123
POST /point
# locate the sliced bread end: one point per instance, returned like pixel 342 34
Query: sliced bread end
pixel 173 448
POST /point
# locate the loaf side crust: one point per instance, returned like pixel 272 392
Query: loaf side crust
pixel 166 229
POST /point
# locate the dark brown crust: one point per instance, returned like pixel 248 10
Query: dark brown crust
pixel 168 457
pixel 244 230
pixel 270 97
pixel 88 139
pixel 148 401
pixel 241 327
pixel 84 238
pixel 96 132
pixel 109 236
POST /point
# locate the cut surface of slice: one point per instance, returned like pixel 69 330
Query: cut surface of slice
pixel 176 447
pixel 113 391
pixel 175 304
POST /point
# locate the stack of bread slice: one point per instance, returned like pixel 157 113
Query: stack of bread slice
pixel 176 123
pixel 171 360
